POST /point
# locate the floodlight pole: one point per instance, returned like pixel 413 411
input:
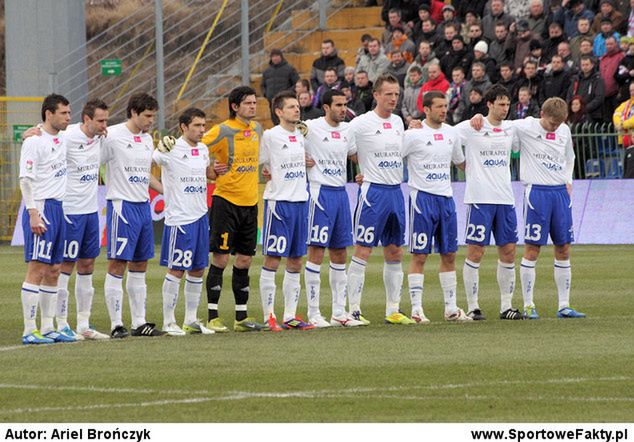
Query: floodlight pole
pixel 244 42
pixel 160 68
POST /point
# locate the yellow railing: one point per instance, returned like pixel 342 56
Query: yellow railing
pixel 269 25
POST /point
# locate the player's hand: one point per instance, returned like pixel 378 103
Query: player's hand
pixel 37 223
pixel 166 144
pixel 569 189
pixel 415 124
pixel 220 168
pixel 309 161
pixel 358 179
pixel 266 174
pixel 32 131
pixel 302 127
pixel 476 122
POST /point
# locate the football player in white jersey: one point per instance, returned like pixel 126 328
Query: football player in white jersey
pixel 430 151
pixel 127 154
pixel 43 185
pixel 285 228
pixel 329 220
pixel 490 201
pixel 186 234
pixel 83 144
pixel 377 139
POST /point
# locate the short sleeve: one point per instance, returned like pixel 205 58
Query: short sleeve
pixel 29 158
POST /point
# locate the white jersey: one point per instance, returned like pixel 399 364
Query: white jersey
pixel 284 153
pixel 378 143
pixel 82 156
pixel 546 158
pixel 329 147
pixel 128 160
pixel 43 160
pixel 184 177
pixel 429 154
pixel 488 168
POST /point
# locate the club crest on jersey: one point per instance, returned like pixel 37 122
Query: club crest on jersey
pixel 195 152
pixel 387 125
pixel 247 134
pixel 550 136
pixel 335 135
pixel 29 165
pixel 438 137
pixel 137 139
pixel 292 138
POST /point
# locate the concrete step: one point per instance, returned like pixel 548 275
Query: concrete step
pixel 294 42
pixel 347 18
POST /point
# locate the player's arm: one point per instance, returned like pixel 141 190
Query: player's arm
pixel 457 155
pixel 28 164
pixel 570 163
pixel 155 184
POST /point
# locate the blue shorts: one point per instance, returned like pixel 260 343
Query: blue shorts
pixel 82 237
pixel 432 217
pixel 379 215
pixel 547 210
pixel 329 220
pixel 130 231
pixel 49 247
pixel 484 219
pixel 185 247
pixel 285 230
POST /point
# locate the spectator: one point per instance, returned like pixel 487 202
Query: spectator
pixel 278 77
pixel 470 20
pixel 464 7
pixel 429 34
pixel 437 82
pixel 406 10
pixel 400 43
pixel 538 19
pixel 555 36
pixel 583 31
pixel 409 108
pixel 556 81
pixel 609 66
pixel 475 35
pixel 535 54
pixel 348 74
pixel 444 46
pixel 589 86
pixel 497 49
pixel 475 104
pixel 569 13
pixel 328 59
pixel 362 52
pixel 608 11
pixel 355 106
pixel 435 10
pixel 307 110
pixel 479 79
pixel 480 53
pixel 525 106
pixel 507 77
pixel 529 78
pixel 302 85
pixel 585 48
pixel 425 57
pixel 448 18
pixel 598 46
pixel 457 56
pixel 398 67
pixel 394 20
pixel 623 119
pixel 331 82
pixel 455 96
pixel 625 74
pixel 377 63
pixel 577 111
pixel 518 41
pixel 494 15
pixel 362 90
pixel 563 50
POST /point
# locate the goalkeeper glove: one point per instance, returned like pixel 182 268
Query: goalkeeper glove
pixel 166 144
pixel 302 127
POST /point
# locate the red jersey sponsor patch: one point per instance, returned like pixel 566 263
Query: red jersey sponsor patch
pixel 56 140
pixel 387 125
pixel 137 139
pixel 247 134
pixel 195 152
pixel 497 129
pixel 292 138
pixel 438 137
pixel 336 135
pixel 550 136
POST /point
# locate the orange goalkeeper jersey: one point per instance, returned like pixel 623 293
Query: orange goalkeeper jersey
pixel 234 143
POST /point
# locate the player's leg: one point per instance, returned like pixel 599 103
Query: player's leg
pixel 174 252
pixel 527 279
pixel 61 311
pixel 119 252
pixel 267 290
pixel 170 291
pixel 356 280
pixel 221 236
pixel 422 225
pixel 415 282
pixel 338 281
pixel 505 232
pixel 84 293
pixel 312 280
pixel 274 247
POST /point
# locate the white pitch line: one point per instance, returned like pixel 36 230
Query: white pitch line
pixel 93 389
pixel 13 347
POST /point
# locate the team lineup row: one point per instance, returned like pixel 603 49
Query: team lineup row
pixel 306 209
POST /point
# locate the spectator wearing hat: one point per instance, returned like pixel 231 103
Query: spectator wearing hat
pixel 409 108
pixel 475 104
pixel 625 73
pixel 518 41
pixel 535 55
pixel 584 30
pixel 609 11
pixel 495 14
pixel 569 13
pixel 426 56
pixel 394 20
pixel 608 67
pixel 480 53
pixel 278 77
pixel 470 19
pixel 398 66
pixel 402 44
pixel 456 56
pixel 607 30
pixel 497 48
pixel 589 85
pixel 448 17
pixel 377 62
pixel 555 36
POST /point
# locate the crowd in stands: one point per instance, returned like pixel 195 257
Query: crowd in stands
pixel 581 50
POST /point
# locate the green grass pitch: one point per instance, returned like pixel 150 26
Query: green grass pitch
pixel 496 371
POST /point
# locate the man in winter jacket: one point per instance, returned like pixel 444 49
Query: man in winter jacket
pixel 409 108
pixel 608 67
pixel 278 77
pixel 328 59
pixel 589 86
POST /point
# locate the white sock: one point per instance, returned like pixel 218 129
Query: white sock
pixel 356 279
pixel 393 282
pixel 527 278
pixel 563 277
pixel 449 283
pixel 415 282
pixel 290 288
pixel 48 304
pixel 193 289
pixel 471 276
pixel 506 281
pixel 61 310
pixel 338 282
pixel 84 292
pixel 171 287
pixel 113 290
pixel 267 292
pixel 30 295
pixel 137 293
pixel 312 281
